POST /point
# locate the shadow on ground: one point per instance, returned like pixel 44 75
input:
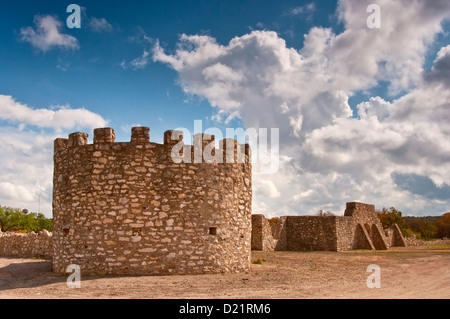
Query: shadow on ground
pixel 28 274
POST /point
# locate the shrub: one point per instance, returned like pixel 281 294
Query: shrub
pixel 443 226
pixel 273 221
pixel 424 227
pixel 323 213
pixel 16 220
pixel 393 216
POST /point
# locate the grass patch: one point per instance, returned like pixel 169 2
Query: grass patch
pixel 360 251
pixel 445 246
pixel 311 265
pixel 258 261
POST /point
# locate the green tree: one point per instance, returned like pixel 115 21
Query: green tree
pixel 443 226
pixel 9 218
pixel 424 227
pixel 273 221
pixel 428 231
pixel 43 222
pixel 391 216
pixel 16 220
pixel 324 213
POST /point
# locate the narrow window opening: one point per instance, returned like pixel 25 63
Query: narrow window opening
pixel 66 232
pixel 213 231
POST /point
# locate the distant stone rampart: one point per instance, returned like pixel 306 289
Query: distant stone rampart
pixel 359 228
pixel 28 245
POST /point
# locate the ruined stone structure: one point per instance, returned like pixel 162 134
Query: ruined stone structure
pixel 141 208
pixel 28 245
pixel 359 228
pixel 128 208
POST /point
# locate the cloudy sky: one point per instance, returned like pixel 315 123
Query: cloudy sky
pixel 363 112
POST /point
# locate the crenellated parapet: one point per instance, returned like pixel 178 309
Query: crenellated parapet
pixel 203 149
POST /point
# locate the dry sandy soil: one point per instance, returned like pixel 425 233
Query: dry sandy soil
pixel 413 272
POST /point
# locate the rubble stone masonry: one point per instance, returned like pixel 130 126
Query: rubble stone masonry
pixel 359 228
pixel 142 208
pixel 28 245
pixel 128 208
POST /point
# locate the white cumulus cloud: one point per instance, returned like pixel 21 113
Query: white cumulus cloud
pixel 26 144
pixel 335 157
pixel 266 188
pixel 47 34
pixel 57 118
pixel 100 25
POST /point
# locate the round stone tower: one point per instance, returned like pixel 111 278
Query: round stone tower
pixel 141 208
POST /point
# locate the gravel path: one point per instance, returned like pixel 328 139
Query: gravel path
pixel 413 272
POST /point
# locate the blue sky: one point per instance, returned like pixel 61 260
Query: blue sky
pixel 92 76
pixel 349 100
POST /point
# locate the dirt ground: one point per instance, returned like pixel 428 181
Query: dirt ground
pixel 412 272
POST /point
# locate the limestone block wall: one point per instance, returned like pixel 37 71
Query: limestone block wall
pixel 345 233
pixel 279 233
pixel 359 228
pixel 366 216
pixel 413 241
pixel 262 238
pixel 396 237
pixel 28 245
pixel 311 233
pixel 379 239
pixel 362 238
pixel 266 237
pixel 128 208
pixel 362 213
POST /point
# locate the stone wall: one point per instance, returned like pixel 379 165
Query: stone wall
pixel 359 228
pixel 372 230
pixel 362 238
pixel 311 233
pixel 279 234
pixel 413 241
pixel 28 245
pixel 395 236
pixel 262 238
pixel 345 233
pixel 128 208
pixel 362 213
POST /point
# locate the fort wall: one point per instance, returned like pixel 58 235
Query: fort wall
pixel 28 245
pixel 359 228
pixel 311 233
